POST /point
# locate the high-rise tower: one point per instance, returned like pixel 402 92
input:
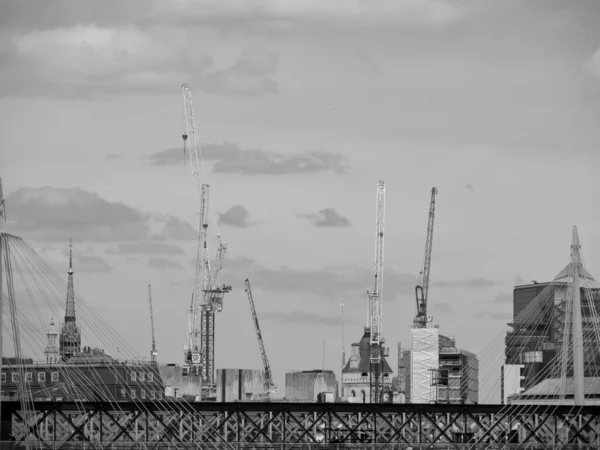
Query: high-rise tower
pixel 70 336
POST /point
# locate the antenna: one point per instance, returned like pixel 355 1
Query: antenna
pixel 323 368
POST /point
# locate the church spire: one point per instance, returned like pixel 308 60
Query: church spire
pixel 70 336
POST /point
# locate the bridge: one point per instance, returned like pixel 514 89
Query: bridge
pixel 300 425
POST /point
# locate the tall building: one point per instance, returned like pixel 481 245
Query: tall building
pixel 536 339
pixel 356 381
pixel 70 335
pixel 440 372
pixel 401 383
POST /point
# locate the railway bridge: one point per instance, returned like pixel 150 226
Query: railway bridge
pixel 172 424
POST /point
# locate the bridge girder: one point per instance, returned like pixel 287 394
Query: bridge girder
pixel 230 424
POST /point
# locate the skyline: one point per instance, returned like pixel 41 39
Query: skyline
pixel 301 110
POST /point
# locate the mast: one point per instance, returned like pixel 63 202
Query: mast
pixel 578 363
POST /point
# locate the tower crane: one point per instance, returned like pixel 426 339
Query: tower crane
pixel 268 382
pixel 207 294
pixel 422 290
pixel 153 352
pixel 377 351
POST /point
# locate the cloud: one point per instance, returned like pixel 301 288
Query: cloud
pixel 86 60
pixel 113 156
pixel 503 297
pixel 179 231
pixel 519 281
pixel 592 65
pixel 493 315
pixel 333 13
pixel 149 248
pixel 327 217
pixel 474 283
pixel 163 263
pixel 336 282
pixel 445 308
pixel 91 264
pixel 236 216
pixel 469 187
pixel 304 317
pixel 56 214
pixel 230 158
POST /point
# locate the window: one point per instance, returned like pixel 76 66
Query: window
pixel 143 394
pixel 142 376
pixel 54 376
pixel 123 393
pixel 152 396
pixel 15 377
pixel 150 377
pixel 41 377
pixel 3 379
pixel 133 376
pixel 133 393
pixel 28 377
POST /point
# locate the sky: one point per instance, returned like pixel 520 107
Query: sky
pixel 301 108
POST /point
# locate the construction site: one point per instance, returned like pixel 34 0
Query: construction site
pixel 550 353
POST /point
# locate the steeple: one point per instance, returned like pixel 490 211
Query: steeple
pixel 70 336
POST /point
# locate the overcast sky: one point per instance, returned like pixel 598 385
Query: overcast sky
pixel 301 108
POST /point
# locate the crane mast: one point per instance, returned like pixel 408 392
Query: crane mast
pixel 207 295
pixel 377 351
pixel 268 382
pixel 422 290
pixel 153 352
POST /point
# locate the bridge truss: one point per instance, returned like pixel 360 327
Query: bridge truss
pixel 229 425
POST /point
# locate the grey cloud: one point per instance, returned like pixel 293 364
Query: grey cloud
pixel 236 216
pixel 248 76
pixel 443 307
pixel 493 315
pixel 158 238
pixel 113 156
pixel 179 231
pixel 92 264
pixel 592 66
pixel 88 60
pixel 503 297
pixel 56 214
pixel 519 281
pixel 469 187
pixel 474 283
pixel 328 217
pixel 163 263
pixel 304 317
pixel 230 158
pixel 333 281
pixel 149 248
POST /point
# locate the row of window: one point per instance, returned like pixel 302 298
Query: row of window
pixel 41 376
pixel 142 376
pixel 152 395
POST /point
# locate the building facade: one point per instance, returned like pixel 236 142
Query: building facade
pixel 356 381
pixel 309 385
pixel 87 377
pixel 537 338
